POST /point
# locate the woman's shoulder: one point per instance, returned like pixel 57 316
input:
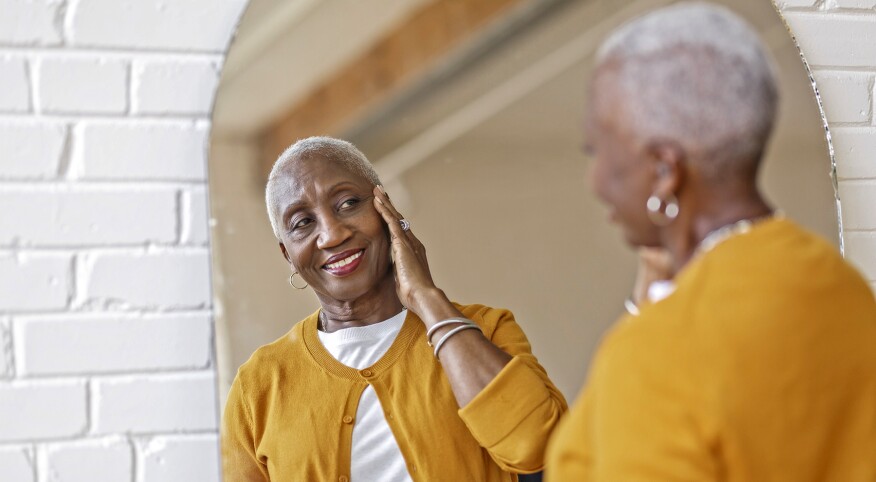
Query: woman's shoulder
pixel 279 353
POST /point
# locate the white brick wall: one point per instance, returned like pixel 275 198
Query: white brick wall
pixel 15 94
pixel 155 404
pixel 105 339
pixel 173 279
pixel 106 351
pixel 111 343
pixel 174 87
pixel 43 410
pixel 174 459
pixel 56 217
pixel 29 22
pixel 31 282
pixel 142 150
pixel 30 149
pixel 81 85
pixel 108 460
pixel 16 464
pixel 849 94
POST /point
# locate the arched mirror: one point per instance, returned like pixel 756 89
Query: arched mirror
pixel 472 114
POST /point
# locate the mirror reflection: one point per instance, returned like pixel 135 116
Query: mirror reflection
pixel 472 114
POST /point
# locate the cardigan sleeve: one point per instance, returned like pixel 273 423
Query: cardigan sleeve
pixel 239 460
pixel 513 416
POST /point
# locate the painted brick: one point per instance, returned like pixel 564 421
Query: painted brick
pixel 77 218
pixel 174 87
pixel 15 94
pixel 82 85
pixel 202 25
pixel 861 4
pixel 30 22
pixel 846 95
pixel 7 363
pixel 855 151
pixel 42 410
pixel 196 229
pixel 835 39
pixel 112 343
pixel 860 249
pixel 181 459
pixel 16 465
pixel 795 3
pixel 155 404
pixel 165 280
pixel 93 461
pixel 33 282
pixel 857 200
pixel 151 150
pixel 30 149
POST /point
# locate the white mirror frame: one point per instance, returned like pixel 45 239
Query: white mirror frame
pixel 104 246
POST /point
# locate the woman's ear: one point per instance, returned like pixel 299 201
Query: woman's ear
pixel 285 253
pixel 668 161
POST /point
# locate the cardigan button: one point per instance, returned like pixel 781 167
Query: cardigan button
pixel 347 419
pixel 343 478
pixel 366 373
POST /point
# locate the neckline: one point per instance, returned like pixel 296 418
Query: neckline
pixel 375 331
pixel 743 226
pixel 411 329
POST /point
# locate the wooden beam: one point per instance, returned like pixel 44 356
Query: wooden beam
pixel 394 62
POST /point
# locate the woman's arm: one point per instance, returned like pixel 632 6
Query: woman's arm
pixel 469 359
pixel 506 398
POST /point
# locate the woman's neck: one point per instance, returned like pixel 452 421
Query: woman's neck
pixel 379 304
pixel 683 238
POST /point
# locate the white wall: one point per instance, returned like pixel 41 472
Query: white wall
pixel 106 365
pixel 106 339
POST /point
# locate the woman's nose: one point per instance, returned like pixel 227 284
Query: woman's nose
pixel 333 232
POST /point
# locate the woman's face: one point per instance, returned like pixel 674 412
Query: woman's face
pixel 620 174
pixel 329 230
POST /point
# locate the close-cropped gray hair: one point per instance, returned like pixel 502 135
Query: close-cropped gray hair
pixel 695 74
pixel 328 148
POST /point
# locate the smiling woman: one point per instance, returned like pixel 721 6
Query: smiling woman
pixel 478 144
pixel 356 390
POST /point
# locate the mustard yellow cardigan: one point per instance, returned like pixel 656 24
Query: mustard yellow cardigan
pixel 290 412
pixel 760 367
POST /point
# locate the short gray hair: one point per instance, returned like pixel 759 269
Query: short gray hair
pixel 328 148
pixel 696 74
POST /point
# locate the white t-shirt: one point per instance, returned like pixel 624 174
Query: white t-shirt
pixel 375 454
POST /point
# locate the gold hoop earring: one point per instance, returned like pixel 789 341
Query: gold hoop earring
pixel 292 282
pixel 662 211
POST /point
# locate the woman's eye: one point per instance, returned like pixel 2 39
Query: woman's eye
pixel 349 203
pixel 300 223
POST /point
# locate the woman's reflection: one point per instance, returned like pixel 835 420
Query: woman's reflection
pixel 365 389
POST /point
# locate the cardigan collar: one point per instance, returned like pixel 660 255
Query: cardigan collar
pixel 410 330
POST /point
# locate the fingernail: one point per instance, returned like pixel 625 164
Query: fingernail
pixel 381 189
pixel 378 200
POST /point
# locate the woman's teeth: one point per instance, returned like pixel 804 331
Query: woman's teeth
pixel 344 261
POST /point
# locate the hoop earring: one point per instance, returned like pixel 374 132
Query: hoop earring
pixel 292 282
pixel 662 211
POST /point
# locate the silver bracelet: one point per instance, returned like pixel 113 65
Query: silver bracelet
pixel 453 332
pixel 449 321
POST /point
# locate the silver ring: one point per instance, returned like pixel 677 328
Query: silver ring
pixel 405 224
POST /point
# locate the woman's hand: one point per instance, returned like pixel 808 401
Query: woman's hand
pixel 414 284
pixel 655 264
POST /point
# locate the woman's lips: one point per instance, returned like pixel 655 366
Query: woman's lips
pixel 345 266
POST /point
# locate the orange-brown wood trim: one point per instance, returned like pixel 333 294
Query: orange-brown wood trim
pixel 395 61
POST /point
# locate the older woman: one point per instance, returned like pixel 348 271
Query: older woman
pixel 388 380
pixel 761 364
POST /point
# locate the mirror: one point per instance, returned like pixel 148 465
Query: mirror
pixel 472 116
